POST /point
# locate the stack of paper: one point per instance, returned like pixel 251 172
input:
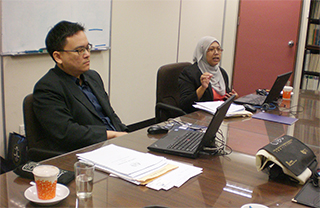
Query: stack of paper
pixel 233 111
pixel 141 168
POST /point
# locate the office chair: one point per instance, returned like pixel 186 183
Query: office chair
pixel 167 93
pixel 35 134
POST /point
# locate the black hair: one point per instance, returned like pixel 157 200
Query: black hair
pixel 57 36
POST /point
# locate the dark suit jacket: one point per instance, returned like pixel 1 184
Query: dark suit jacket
pixel 67 115
pixel 189 82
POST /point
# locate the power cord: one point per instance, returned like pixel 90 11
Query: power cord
pixel 267 106
pixel 294 113
pixel 220 149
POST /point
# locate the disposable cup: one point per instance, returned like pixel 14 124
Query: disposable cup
pixel 84 173
pixel 287 92
pixel 45 177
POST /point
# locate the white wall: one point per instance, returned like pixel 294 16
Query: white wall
pixel 147 34
pixel 198 19
pixel 143 37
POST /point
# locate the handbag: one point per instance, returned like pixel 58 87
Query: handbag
pixel 287 157
pixel 17 149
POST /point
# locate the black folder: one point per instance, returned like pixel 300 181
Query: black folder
pixel 308 195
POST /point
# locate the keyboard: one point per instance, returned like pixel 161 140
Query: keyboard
pixel 187 142
pixel 258 100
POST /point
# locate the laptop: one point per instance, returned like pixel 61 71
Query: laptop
pixel 259 100
pixel 170 143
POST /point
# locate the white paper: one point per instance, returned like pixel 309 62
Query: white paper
pixel 120 159
pixel 211 107
pixel 132 165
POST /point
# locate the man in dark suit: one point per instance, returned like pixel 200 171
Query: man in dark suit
pixel 70 100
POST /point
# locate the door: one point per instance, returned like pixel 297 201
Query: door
pixel 266 45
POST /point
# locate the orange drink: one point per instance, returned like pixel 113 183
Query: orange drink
pixel 287 92
pixel 45 177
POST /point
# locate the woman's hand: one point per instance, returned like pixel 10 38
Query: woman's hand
pixel 205 80
pixel 228 95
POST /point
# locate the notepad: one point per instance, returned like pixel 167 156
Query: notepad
pixel 234 110
pixel 275 118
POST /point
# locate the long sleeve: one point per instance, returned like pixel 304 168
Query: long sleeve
pixel 189 82
pixel 65 113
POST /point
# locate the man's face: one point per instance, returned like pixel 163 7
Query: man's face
pixel 214 54
pixel 72 62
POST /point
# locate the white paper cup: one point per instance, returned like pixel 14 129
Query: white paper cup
pixel 45 177
pixel 286 93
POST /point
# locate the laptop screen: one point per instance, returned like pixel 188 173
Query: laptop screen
pixel 277 87
pixel 209 137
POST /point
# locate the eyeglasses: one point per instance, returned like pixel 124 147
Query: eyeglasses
pixel 81 50
pixel 212 50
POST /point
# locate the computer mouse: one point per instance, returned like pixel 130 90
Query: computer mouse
pixel 157 130
pixel 250 108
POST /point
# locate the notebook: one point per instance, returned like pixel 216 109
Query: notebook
pixel 167 144
pixel 259 100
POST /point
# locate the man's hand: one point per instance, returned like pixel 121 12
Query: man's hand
pixel 114 134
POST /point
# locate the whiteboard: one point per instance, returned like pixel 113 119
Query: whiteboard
pixel 25 23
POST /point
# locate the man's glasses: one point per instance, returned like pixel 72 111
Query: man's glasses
pixel 79 50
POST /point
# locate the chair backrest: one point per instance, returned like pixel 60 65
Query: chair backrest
pixel 167 83
pixel 168 90
pixel 35 134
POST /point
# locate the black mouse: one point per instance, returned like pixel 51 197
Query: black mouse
pixel 157 130
pixel 250 108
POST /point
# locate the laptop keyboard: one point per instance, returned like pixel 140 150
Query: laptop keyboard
pixel 187 142
pixel 258 100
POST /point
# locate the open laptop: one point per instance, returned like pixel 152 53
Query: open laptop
pixel 167 144
pixel 259 100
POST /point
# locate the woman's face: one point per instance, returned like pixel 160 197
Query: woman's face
pixel 214 54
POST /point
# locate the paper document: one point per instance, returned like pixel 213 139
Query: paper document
pixel 137 167
pixel 234 110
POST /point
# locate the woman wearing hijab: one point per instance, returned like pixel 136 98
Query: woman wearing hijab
pixel 205 80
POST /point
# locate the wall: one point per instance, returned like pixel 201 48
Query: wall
pixel 148 34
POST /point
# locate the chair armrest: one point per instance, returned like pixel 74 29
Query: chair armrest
pixel 169 110
pixel 36 154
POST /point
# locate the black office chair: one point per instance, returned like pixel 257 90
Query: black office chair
pixel 168 95
pixel 35 134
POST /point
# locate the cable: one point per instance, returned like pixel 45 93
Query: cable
pixel 221 148
pixel 267 106
pixel 297 111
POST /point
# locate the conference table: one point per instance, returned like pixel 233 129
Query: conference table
pixel 226 181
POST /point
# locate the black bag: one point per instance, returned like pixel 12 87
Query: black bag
pixel 17 149
pixel 5 165
pixel 287 157
pixel 25 171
